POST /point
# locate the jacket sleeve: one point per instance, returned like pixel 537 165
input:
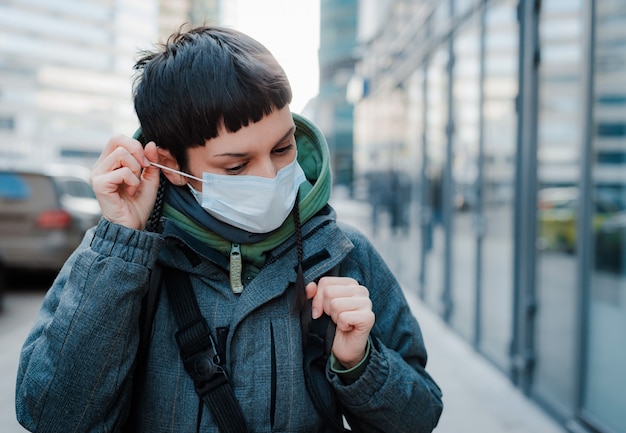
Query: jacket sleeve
pixel 74 366
pixel 394 393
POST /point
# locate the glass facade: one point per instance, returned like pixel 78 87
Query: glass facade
pixel 435 154
pixel 465 149
pixel 496 191
pixel 604 399
pixel 559 149
pixel 514 141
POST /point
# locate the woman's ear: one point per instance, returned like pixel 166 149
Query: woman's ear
pixel 166 159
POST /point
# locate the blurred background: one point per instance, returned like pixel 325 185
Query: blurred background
pixel 480 143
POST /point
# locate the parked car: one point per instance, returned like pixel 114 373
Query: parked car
pixel 558 209
pixel 45 210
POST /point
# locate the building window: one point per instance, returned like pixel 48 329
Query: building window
pixel 7 123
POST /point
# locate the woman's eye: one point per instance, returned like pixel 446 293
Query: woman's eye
pixel 236 169
pixel 284 149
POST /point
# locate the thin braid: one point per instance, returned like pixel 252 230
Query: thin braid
pixel 155 217
pixel 296 218
pixel 300 285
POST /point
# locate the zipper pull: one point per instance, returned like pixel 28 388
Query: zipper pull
pixel 235 269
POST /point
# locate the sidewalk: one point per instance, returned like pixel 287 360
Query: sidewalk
pixel 478 398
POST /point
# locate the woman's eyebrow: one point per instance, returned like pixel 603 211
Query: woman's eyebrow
pixel 290 132
pixel 280 140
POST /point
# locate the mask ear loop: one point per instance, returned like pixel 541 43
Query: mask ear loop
pixel 180 173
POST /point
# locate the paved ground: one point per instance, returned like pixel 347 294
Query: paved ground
pixel 477 396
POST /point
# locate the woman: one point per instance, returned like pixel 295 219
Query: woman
pixel 229 193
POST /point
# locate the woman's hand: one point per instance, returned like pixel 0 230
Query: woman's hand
pixel 349 306
pixel 125 183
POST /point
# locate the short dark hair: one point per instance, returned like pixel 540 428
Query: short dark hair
pixel 201 80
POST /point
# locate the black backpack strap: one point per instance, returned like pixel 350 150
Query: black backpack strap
pixel 317 341
pixel 200 356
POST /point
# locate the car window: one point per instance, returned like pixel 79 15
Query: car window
pixel 13 187
pixel 25 191
pixel 76 188
pixel 565 204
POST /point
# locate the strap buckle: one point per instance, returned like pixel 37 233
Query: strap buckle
pixel 200 357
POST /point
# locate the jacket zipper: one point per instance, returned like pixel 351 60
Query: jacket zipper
pixel 236 268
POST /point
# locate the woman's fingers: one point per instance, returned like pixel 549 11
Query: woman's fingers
pixel 124 182
pixel 350 308
pixel 330 288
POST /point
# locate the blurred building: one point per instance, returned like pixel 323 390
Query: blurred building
pixel 66 69
pixel 509 118
pixel 174 13
pixel 332 112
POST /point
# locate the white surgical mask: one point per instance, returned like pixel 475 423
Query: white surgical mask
pixel 252 203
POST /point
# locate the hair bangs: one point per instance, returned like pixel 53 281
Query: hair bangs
pixel 202 81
